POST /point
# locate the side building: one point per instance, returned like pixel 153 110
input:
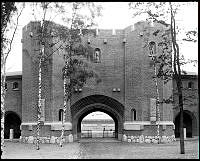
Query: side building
pixel 190 105
pixel 13 104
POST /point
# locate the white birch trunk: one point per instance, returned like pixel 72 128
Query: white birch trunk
pixel 39 98
pixel 64 114
pixel 157 101
pixel 39 105
pixel 3 93
pixel 66 100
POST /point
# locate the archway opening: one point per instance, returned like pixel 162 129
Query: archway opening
pixel 187 123
pixel 94 103
pixel 97 125
pixel 12 121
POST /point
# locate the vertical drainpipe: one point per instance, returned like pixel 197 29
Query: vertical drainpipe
pixel 124 43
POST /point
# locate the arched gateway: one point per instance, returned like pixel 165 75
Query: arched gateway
pixel 97 103
pixel 12 121
pixel 189 123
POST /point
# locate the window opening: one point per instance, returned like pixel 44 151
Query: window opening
pixel 133 115
pixel 60 114
pixel 15 86
pixel 152 48
pixel 190 85
pixel 97 55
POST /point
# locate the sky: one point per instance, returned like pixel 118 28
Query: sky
pixel 115 15
pixel 97 115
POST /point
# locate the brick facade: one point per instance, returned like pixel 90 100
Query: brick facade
pixel 13 99
pixel 124 66
pixel 13 104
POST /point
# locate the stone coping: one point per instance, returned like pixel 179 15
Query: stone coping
pixel 54 125
pixel 139 125
pixel 148 123
pixel 46 123
pixel 126 122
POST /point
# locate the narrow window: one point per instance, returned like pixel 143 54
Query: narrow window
pixel 60 114
pixel 15 86
pixel 133 115
pixel 97 55
pixel 6 86
pixel 190 85
pixel 152 48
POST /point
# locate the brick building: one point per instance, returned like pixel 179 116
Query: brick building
pixel 190 105
pixel 13 103
pixel 127 92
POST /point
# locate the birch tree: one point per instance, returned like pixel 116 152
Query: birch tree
pixel 46 32
pixel 77 68
pixel 62 36
pixel 170 60
pixel 9 26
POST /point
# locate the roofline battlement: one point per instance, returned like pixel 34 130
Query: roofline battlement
pixel 98 31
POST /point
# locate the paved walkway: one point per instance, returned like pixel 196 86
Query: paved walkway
pixel 102 149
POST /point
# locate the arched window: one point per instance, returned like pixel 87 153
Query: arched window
pixel 97 55
pixel 60 114
pixel 133 114
pixel 152 48
pixel 190 85
pixel 15 86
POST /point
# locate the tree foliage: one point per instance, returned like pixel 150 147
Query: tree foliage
pixel 165 13
pixel 65 38
pixel 68 36
pixel 159 13
pixel 8 9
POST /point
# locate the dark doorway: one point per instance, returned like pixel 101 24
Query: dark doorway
pixel 12 121
pixel 187 123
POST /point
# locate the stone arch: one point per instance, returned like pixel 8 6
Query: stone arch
pixel 189 122
pixel 94 103
pixel 12 121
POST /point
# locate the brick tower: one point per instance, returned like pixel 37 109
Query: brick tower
pixel 126 93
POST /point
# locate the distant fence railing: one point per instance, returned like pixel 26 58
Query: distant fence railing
pixel 86 133
pixel 93 134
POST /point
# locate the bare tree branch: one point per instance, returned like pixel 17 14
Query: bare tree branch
pixel 10 43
